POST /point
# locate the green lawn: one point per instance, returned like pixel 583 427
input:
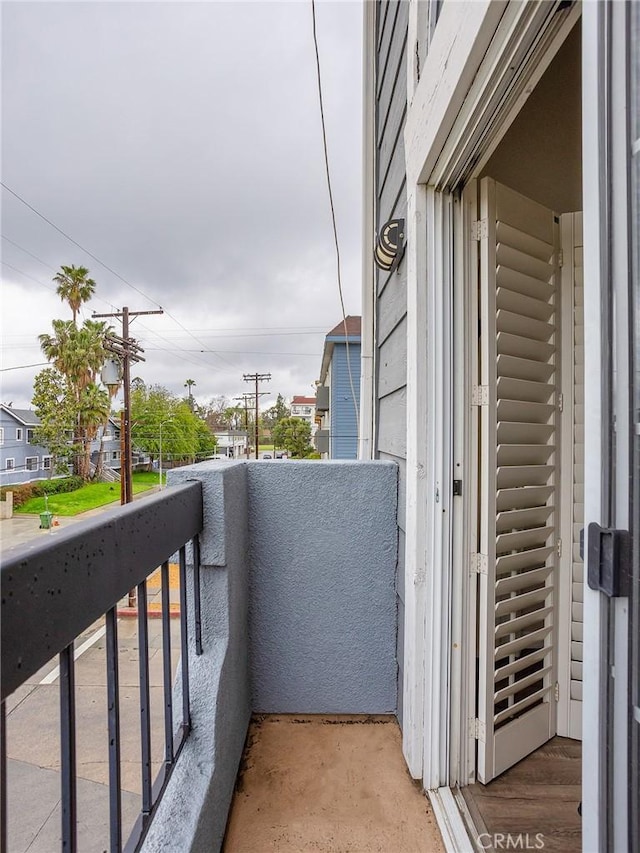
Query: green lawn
pixel 88 497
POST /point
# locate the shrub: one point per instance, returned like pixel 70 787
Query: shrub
pixel 25 491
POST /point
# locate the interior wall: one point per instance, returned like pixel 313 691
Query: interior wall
pixel 540 156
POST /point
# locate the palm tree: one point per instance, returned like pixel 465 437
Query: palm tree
pixel 93 412
pixel 74 287
pixel 78 354
pixel 188 384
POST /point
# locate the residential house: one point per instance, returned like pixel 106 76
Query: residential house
pixel 21 461
pixel 338 392
pixel 232 444
pixel 107 443
pixel 305 409
pixel 501 372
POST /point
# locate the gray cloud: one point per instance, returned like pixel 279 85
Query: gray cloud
pixel 181 144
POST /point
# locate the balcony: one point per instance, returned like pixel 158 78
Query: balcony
pixel 285 690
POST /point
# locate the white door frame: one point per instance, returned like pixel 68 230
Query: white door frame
pixel 605 194
pixel 451 110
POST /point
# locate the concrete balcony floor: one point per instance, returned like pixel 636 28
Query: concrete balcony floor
pixel 330 784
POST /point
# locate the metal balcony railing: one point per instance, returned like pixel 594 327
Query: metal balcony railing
pixel 55 588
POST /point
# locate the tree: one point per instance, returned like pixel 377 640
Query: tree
pixel 189 384
pixel 294 434
pixel 55 406
pixel 78 354
pixel 74 287
pixel 275 414
pixel 93 412
pixel 160 418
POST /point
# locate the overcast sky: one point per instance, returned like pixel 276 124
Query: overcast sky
pixel 180 144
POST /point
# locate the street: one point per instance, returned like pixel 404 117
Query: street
pixel 33 720
pixel 33 741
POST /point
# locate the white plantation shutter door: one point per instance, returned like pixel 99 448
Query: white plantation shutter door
pixel 517 558
pixel 577 565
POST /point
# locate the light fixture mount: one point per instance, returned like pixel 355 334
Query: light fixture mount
pixel 390 245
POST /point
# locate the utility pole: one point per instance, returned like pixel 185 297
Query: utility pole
pixel 257 378
pixel 127 350
pixel 245 398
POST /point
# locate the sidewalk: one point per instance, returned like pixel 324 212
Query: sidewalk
pixel 24 528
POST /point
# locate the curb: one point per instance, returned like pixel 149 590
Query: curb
pixel 132 612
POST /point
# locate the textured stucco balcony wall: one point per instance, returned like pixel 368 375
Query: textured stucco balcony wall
pixel 298 616
pixel 322 615
pixel 192 814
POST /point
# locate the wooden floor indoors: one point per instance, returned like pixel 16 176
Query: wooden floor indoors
pixel 540 794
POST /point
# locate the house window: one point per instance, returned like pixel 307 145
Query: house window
pixel 30 433
pixel 31 463
pixel 19 433
pixel 11 464
pixel 115 454
pixel 46 463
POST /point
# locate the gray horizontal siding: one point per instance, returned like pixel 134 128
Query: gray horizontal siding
pixel 392 359
pixel 392 305
pixel 392 424
pixel 391 288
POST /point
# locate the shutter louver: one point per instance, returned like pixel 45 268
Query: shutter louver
pixel 519 360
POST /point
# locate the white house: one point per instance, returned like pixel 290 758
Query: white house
pixel 232 444
pixel 501 370
pixel 304 408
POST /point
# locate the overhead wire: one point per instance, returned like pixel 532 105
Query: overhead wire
pixel 333 216
pixel 107 267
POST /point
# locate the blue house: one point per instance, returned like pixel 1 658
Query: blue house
pixel 21 461
pixel 338 392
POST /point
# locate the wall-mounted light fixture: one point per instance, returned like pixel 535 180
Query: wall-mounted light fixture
pixel 390 245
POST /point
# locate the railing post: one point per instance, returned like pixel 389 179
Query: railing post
pixel 186 714
pixel 145 719
pixel 113 699
pixel 68 751
pixel 166 664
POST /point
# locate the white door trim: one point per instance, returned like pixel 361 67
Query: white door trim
pixel 456 59
pixel 366 439
pixel 413 724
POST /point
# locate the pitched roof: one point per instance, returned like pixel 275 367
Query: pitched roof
pixel 26 416
pixel 353 327
pixel 303 401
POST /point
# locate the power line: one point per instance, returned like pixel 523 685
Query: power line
pixel 333 214
pixel 24 366
pixel 75 242
pixel 103 264
pixel 27 252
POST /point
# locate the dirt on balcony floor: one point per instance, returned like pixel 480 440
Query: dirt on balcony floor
pixel 328 784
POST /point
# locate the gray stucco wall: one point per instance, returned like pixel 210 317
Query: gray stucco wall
pixel 322 612
pixel 298 616
pixel 192 814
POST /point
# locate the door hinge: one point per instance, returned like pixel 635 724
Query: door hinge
pixel 479 229
pixel 477 729
pixel 556 691
pixel 560 402
pixel 560 258
pixel 479 564
pixel 559 547
pixel 480 395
